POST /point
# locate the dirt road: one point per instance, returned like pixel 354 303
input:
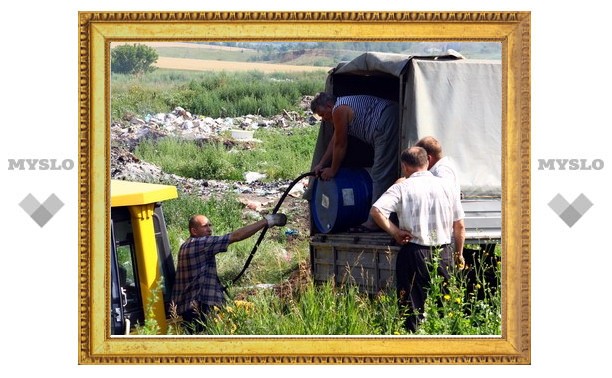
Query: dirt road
pixel 216 65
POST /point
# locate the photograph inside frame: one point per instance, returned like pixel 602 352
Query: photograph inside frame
pixel 272 187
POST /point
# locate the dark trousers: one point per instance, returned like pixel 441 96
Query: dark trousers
pixel 193 320
pixel 412 269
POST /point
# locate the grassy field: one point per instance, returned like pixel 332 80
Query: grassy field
pixel 212 93
pixel 206 54
pixel 202 57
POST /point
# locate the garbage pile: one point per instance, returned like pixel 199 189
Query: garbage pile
pixel 181 123
pixel 127 133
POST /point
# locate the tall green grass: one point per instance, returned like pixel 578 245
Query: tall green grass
pixel 329 309
pixel 282 154
pixel 211 94
pixel 314 310
pixel 465 306
pixel 225 210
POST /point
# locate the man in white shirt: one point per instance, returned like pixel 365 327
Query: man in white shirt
pixel 430 216
pixel 439 165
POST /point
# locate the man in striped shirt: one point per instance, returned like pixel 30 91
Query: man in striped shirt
pixel 197 287
pixel 430 215
pixel 371 119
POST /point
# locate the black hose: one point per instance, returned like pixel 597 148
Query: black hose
pixel 263 232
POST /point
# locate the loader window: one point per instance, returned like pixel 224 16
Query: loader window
pixel 127 275
pixel 117 318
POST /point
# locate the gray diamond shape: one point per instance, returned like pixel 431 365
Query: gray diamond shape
pixel 570 216
pixel 29 204
pixel 41 213
pixel 570 213
pixel 53 204
pixel 558 204
pixel 582 204
pixel 41 216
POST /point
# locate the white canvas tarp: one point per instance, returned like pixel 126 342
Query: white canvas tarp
pixel 459 102
pixel 388 63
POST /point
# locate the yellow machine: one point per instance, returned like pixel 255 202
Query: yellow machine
pixel 142 268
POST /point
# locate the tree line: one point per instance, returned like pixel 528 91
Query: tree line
pixel 363 46
pixel 139 59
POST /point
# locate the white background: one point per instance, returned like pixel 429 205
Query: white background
pixel 570 289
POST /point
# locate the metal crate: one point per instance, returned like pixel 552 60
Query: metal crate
pixel 366 260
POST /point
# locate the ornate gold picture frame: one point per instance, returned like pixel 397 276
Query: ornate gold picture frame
pixel 96 32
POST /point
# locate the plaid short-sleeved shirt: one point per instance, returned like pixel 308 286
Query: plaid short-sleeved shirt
pixel 196 280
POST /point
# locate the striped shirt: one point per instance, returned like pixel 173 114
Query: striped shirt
pixel 366 115
pixel 426 207
pixel 196 281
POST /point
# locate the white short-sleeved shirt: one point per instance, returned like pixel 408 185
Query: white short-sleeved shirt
pixel 446 168
pixel 426 207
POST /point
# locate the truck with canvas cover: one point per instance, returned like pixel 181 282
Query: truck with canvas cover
pixel 458 101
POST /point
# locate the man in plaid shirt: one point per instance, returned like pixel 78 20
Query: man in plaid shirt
pixel 197 287
pixel 430 216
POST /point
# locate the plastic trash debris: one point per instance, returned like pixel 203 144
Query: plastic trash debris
pixel 291 232
pixel 253 176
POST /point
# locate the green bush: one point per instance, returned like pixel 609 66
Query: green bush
pixel 133 59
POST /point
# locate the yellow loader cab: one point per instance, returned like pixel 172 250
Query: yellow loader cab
pixel 142 268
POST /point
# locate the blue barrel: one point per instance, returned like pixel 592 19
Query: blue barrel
pixel 342 202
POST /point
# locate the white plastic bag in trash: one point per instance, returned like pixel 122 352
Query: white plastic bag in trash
pixel 253 176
